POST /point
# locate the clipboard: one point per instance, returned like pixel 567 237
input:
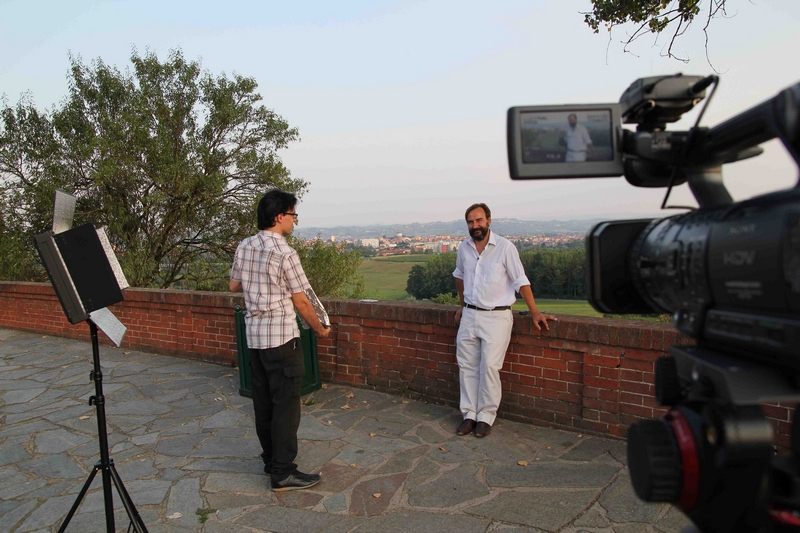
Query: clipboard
pixel 318 308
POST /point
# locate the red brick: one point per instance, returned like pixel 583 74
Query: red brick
pixel 644 366
pixel 776 412
pixel 634 399
pixel 638 410
pixel 601 405
pixel 601 360
pixel 550 363
pixel 601 383
pixel 640 388
pixel 642 355
pixel 550 373
pixel 630 375
pixel 609 373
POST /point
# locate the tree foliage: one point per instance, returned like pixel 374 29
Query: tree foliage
pixel 553 273
pixel 170 158
pixel 559 273
pixel 331 270
pixel 446 299
pixel 653 17
pixel 435 278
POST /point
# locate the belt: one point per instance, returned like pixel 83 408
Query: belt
pixel 498 308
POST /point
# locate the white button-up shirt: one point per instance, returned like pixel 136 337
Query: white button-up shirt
pixel 578 141
pixel 492 277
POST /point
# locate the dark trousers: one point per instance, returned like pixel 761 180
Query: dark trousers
pixel 276 376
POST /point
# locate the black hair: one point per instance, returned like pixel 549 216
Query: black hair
pixel 476 206
pixel 273 204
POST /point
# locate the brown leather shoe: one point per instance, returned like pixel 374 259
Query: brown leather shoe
pixel 482 430
pixel 466 427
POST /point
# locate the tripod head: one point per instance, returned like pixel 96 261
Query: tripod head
pixel 712 454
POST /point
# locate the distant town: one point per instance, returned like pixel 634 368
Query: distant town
pixel 439 237
pixel 401 244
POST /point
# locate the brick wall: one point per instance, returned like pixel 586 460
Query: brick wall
pixel 592 375
pixel 191 324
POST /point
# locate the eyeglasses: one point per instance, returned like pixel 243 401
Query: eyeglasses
pixel 294 215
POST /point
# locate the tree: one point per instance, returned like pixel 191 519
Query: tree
pixel 170 158
pixel 332 271
pixel 435 278
pixel 571 272
pixel 415 286
pixel 653 16
pixel 556 273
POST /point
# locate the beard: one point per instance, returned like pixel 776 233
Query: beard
pixel 478 233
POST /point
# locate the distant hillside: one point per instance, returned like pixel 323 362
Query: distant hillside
pixel 503 226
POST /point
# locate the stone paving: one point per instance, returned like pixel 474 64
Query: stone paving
pixel 183 442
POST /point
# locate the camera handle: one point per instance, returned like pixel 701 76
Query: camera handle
pixel 707 186
pixel 777 117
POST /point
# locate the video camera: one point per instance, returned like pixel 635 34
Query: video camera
pixel 728 273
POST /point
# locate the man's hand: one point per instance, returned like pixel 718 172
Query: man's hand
pixel 326 330
pixel 541 318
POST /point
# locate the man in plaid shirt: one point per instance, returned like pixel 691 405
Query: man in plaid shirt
pixel 268 270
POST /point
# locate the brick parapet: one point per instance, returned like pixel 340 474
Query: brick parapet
pixel 595 375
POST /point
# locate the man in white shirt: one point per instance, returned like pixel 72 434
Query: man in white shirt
pixel 578 141
pixel 488 272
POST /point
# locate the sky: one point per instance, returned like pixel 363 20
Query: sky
pixel 401 105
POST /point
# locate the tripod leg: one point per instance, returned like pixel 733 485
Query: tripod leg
pixel 78 500
pixel 105 464
pixel 133 514
pixel 108 498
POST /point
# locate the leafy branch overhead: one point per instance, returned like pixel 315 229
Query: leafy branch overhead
pixel 654 17
pixel 171 158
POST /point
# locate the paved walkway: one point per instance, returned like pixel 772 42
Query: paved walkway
pixel 184 444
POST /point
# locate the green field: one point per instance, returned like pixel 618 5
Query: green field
pixel 560 307
pixel 385 279
pixel 413 258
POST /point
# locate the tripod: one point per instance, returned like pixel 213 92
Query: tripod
pixel 712 454
pixel 105 465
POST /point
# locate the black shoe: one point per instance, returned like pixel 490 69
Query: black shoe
pixel 482 430
pixel 466 427
pixel 295 481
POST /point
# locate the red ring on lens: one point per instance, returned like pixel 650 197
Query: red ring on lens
pixel 690 462
pixel 784 516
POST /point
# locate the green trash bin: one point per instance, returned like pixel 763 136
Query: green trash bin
pixel 308 339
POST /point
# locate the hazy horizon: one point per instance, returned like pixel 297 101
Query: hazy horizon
pixel 609 216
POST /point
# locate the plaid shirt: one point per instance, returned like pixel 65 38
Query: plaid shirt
pixel 270 272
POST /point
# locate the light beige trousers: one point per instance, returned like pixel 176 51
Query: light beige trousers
pixel 481 345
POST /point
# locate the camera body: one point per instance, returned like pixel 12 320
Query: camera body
pixel 728 273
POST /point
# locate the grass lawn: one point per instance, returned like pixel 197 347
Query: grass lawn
pixel 580 308
pixel 385 278
pixel 560 307
pixel 412 258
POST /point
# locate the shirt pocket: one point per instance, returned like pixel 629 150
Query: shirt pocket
pixel 495 274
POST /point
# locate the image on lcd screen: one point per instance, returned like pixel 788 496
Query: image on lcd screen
pixel 566 136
